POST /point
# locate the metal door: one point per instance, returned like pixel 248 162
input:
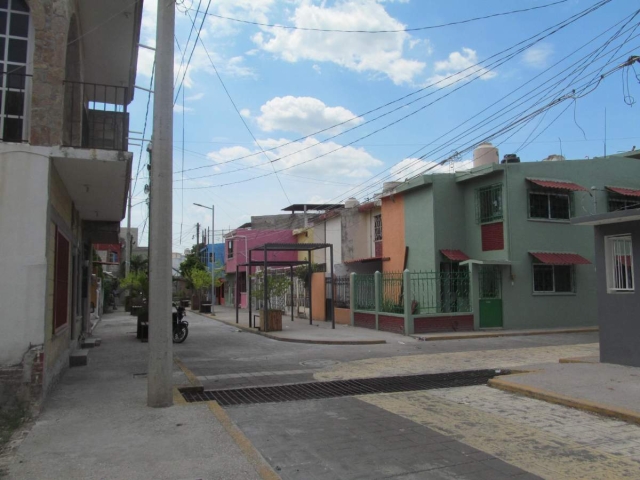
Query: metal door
pixel 490 283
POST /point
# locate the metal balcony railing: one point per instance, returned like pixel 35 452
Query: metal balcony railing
pixel 95 116
pixel 14 100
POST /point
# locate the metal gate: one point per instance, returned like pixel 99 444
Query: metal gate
pixel 490 283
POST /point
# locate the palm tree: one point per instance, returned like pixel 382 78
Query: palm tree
pixel 139 264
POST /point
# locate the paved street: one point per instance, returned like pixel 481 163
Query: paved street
pixel 454 433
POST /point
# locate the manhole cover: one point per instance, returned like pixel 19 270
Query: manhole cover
pixel 318 363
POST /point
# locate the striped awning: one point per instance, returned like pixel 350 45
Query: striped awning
pixel 558 184
pixel 627 192
pixel 560 258
pixel 455 255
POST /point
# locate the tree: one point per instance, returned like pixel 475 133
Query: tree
pixel 277 285
pixel 191 261
pixel 138 283
pixel 201 280
pixel 139 264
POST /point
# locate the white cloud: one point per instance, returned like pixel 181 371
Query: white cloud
pixel 179 109
pixel 317 69
pixel 377 54
pixel 301 114
pixel 348 162
pixel 410 167
pixel 245 112
pixel 459 66
pixel 538 55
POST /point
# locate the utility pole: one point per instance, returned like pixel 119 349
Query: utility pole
pixel 160 371
pixel 198 238
pixel 127 266
pixel 213 274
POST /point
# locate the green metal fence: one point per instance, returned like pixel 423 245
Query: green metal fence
pixel 391 293
pixel 440 292
pixel 364 292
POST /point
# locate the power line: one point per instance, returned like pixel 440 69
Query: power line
pixel 415 29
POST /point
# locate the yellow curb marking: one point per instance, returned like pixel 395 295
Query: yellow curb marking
pixel 193 380
pixel 526 447
pixel 259 463
pixel 552 397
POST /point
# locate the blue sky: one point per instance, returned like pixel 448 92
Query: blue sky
pixel 289 83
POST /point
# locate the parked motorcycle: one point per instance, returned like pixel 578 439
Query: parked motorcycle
pixel 180 326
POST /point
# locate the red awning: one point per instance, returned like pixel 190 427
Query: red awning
pixel 558 184
pixel 560 258
pixel 455 255
pixel 628 192
pixel 369 259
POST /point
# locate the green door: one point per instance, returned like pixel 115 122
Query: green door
pixel 490 279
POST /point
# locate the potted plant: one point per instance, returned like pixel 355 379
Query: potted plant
pixel 277 285
pixel 138 284
pixel 201 280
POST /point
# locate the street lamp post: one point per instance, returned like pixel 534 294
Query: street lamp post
pixel 213 236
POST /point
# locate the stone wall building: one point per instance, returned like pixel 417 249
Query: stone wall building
pixel 67 77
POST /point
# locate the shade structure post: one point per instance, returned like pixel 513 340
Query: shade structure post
pixel 333 303
pixel 291 287
pixel 265 321
pixel 247 271
pixel 237 292
pixel 310 281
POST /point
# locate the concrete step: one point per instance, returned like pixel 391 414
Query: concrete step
pixel 90 343
pixel 79 358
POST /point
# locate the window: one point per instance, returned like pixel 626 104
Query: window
pixel 619 261
pixel 550 206
pixel 620 202
pixel 230 249
pixel 210 257
pixel 14 49
pixel 489 204
pixel 553 279
pixel 377 228
pixel 61 282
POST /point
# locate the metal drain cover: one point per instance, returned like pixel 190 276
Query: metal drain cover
pixel 319 363
pixel 342 388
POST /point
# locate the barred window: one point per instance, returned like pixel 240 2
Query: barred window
pixel 621 202
pixel 489 204
pixel 552 206
pixel 619 262
pixel 377 228
pixel 230 249
pixel 553 278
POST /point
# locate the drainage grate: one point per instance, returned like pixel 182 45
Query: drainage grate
pixel 342 388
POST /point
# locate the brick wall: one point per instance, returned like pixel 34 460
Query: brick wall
pixel 492 236
pixel 364 320
pixel 444 323
pixel 388 323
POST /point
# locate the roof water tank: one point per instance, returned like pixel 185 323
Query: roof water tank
pixel 554 158
pixel 511 158
pixel 485 154
pixel 351 203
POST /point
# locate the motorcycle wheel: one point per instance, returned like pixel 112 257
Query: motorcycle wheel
pixel 180 334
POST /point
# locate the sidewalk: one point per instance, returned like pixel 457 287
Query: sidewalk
pixel 96 424
pixel 606 389
pixel 299 331
pixel 429 337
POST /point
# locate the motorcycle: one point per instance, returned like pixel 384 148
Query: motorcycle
pixel 180 326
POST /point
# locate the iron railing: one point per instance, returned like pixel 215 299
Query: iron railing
pixel 440 292
pixel 342 289
pixel 95 116
pixel 364 291
pixel 14 103
pixel 391 293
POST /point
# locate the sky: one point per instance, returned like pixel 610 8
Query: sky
pixel 274 116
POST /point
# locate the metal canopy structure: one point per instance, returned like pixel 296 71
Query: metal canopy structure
pixel 311 207
pixel 265 263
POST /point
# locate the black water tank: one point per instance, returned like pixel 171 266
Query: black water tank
pixel 511 158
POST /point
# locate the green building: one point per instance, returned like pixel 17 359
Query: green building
pixel 510 224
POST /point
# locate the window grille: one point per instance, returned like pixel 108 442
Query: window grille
pixel 553 278
pixel 620 202
pixel 620 263
pixel 489 204
pixel 551 206
pixel 230 249
pixel 377 228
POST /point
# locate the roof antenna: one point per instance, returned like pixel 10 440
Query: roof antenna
pixel 560 140
pixel 605 132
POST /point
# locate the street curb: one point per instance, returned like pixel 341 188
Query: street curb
pixel 578 360
pixel 295 340
pixel 507 333
pixel 557 398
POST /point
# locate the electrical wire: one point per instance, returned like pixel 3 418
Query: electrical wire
pixel 403 30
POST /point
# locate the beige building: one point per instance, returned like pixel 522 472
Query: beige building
pixel 68 76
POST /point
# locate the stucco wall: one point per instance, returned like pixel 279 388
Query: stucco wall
pixel 23 234
pixel 393 245
pixel 420 229
pixel 318 296
pixel 334 237
pixel 618 313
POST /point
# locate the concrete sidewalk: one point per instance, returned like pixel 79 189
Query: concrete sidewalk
pixel 606 389
pixel 300 331
pixel 96 425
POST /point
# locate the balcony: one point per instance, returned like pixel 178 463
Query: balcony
pixel 95 116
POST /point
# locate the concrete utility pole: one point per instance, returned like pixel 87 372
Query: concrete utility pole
pixel 127 266
pixel 160 372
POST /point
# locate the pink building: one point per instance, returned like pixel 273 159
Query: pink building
pixel 236 249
